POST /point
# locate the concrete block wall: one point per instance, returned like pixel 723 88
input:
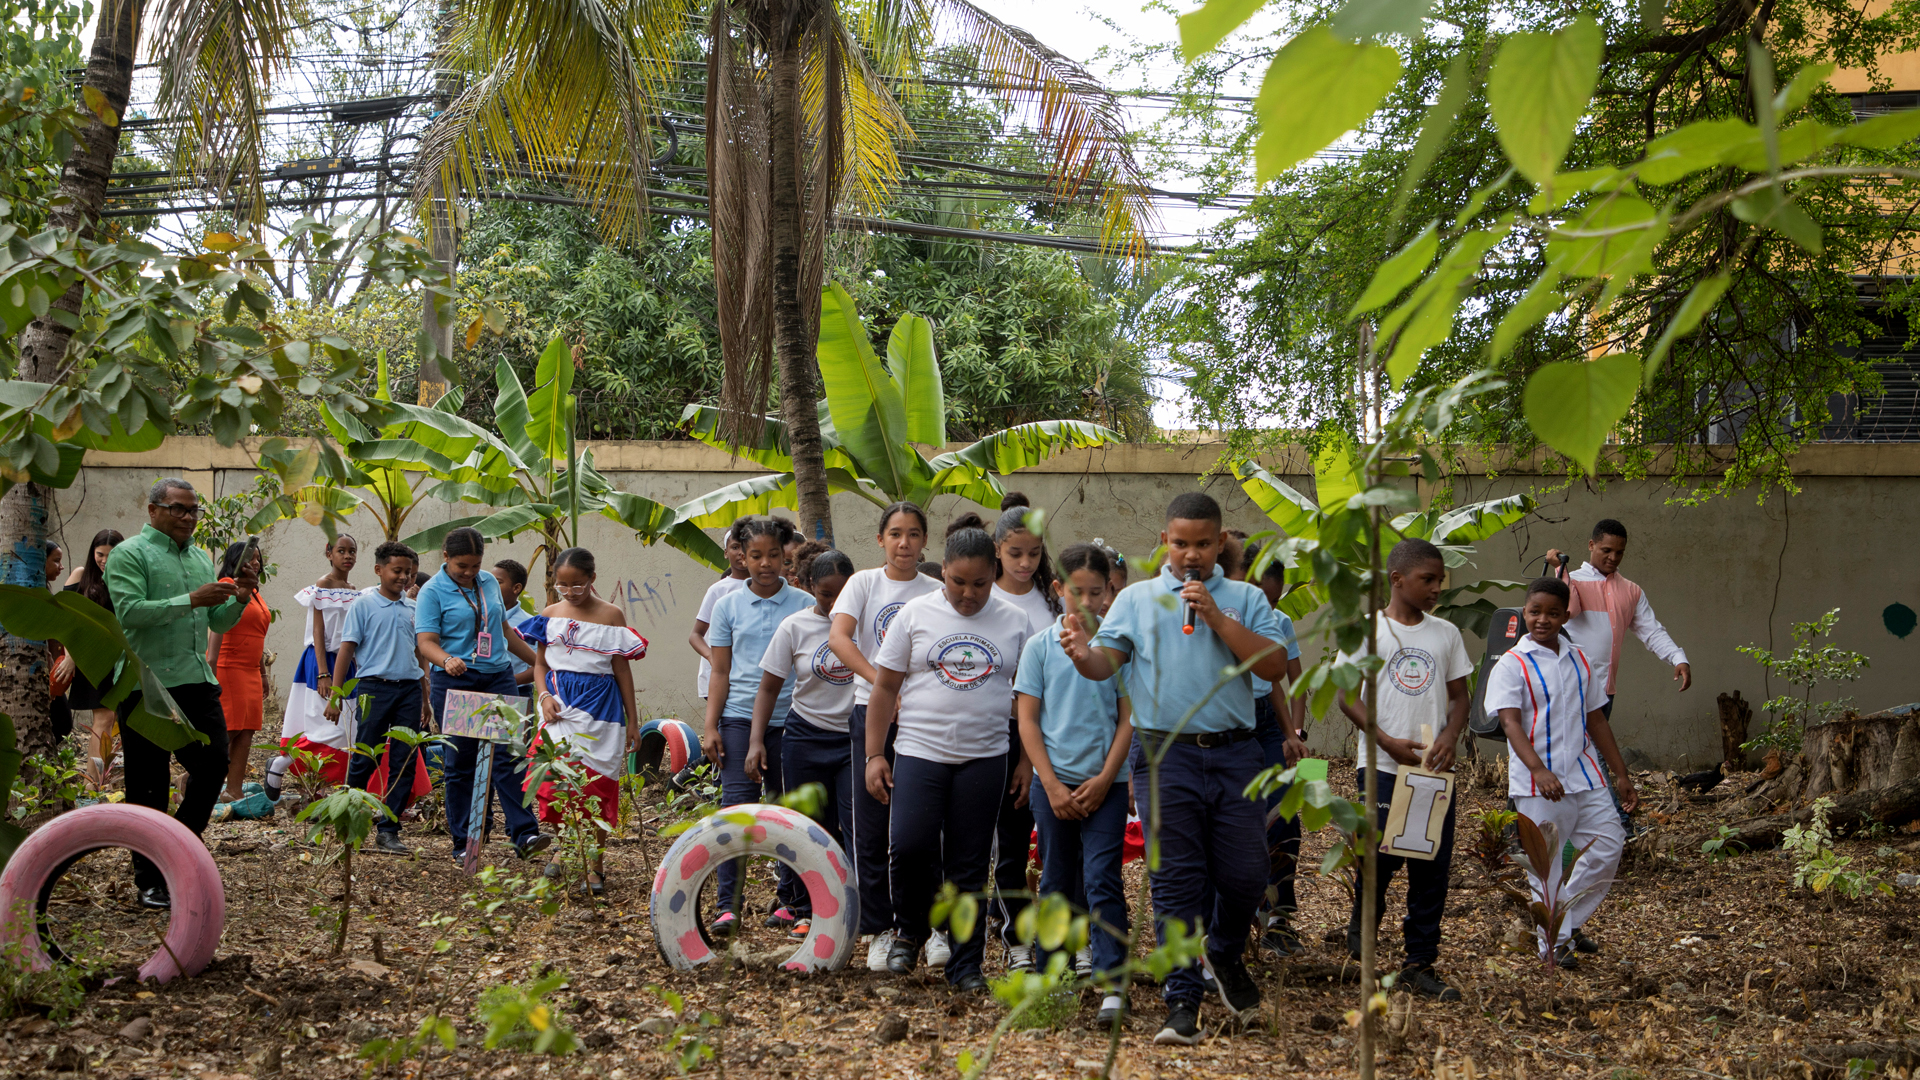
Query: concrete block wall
pixel 1732 572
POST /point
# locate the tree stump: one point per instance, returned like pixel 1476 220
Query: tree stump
pixel 1860 753
pixel 1735 715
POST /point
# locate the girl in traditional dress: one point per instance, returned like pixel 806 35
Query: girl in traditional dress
pixel 306 726
pixel 235 658
pixel 582 652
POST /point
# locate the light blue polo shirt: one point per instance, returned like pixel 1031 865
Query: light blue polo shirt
pixel 1170 671
pixel 1077 715
pixel 454 613
pixel 744 622
pixel 1261 687
pixel 381 631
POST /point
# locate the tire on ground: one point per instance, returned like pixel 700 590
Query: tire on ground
pixel 667 748
pixel 757 829
pixel 199 912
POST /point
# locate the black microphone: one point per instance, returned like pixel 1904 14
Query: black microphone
pixel 1192 575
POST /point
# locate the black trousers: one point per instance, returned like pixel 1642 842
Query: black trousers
pixel 148 767
pixel 1012 846
pixel 871 819
pixel 392 703
pixel 1426 883
pixel 939 833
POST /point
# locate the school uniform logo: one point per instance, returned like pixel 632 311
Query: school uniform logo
pixel 963 661
pixel 828 668
pixel 885 619
pixel 1411 671
pixel 1233 613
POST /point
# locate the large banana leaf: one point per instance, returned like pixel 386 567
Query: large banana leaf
pixel 978 467
pixel 550 402
pixel 510 412
pixel 498 497
pixel 864 401
pixel 1477 521
pixel 1336 475
pixel 93 638
pixel 655 522
pixel 1296 514
pixel 773 451
pixel 504 524
pixel 916 374
pixel 723 506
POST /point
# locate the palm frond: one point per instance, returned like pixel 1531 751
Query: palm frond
pixel 1070 110
pixel 558 90
pixel 217 61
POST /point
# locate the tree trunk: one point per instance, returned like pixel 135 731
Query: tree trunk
pixel 27 507
pixel 793 344
pixel 1735 716
pixel 1890 806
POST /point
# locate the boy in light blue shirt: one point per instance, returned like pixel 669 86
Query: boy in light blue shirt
pixel 1181 629
pixel 378 645
pixel 1077 735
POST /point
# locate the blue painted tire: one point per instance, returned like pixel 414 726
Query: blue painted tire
pixel 757 829
pixel 667 748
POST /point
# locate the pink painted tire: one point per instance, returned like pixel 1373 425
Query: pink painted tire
pixel 757 829
pixel 199 897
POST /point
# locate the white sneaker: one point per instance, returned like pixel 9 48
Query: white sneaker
pixel 877 952
pixel 939 949
pixel 1019 958
pixel 1083 963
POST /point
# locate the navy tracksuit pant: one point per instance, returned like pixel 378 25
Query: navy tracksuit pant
pixel 736 735
pixel 1426 882
pixel 870 825
pixel 814 755
pixel 392 703
pixel 941 832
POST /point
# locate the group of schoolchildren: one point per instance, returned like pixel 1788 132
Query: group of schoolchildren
pixel 952 710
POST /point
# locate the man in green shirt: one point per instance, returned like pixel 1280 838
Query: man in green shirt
pixel 166 598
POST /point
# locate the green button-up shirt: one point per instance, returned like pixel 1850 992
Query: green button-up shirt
pixel 151 580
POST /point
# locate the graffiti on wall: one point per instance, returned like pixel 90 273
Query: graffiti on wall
pixel 652 597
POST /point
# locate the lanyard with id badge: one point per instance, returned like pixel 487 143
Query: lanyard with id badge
pixel 482 638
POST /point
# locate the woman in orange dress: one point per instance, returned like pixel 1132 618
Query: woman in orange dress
pixel 235 658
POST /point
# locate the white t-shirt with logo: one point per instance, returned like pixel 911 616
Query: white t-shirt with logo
pixel 716 592
pixel 1033 602
pixel 953 703
pixel 1421 660
pixel 823 690
pixel 873 599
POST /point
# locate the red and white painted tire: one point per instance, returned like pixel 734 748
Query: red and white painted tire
pixel 757 829
pixel 668 746
pixel 199 897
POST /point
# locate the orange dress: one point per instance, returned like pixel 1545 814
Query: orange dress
pixel 243 687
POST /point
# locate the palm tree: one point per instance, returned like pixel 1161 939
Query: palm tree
pixel 801 122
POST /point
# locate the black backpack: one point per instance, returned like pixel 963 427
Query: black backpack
pixel 1504 630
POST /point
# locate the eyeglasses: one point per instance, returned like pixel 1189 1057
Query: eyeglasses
pixel 180 510
pixel 574 590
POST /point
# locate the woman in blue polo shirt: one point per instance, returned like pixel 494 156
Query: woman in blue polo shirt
pixel 460 622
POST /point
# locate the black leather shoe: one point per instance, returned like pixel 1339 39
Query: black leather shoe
pixel 1585 944
pixel 975 983
pixel 387 843
pixel 156 898
pixel 534 845
pixel 902 957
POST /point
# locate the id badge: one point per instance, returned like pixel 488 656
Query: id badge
pixel 483 645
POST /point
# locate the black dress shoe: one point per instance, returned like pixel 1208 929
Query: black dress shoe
pixel 156 898
pixel 975 983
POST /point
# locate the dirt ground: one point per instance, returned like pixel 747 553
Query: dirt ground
pixel 1714 969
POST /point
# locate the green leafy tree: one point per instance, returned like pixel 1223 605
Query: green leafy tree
pixel 874 422
pixel 1806 667
pixel 1270 311
pixel 346 817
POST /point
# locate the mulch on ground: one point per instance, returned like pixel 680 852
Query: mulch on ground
pixel 1708 968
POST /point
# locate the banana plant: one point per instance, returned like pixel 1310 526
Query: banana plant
pixel 532 476
pixel 1454 530
pixel 876 422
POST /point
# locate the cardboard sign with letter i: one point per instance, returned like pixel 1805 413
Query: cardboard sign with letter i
pixel 1417 818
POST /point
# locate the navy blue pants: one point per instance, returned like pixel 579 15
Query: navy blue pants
pixel 736 735
pixel 391 703
pixel 1211 836
pixel 814 755
pixel 940 833
pixel 1013 840
pixel 1426 882
pixel 509 771
pixel 871 819
pixel 1081 860
pixel 1283 835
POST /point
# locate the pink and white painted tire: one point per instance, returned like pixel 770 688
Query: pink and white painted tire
pixel 199 896
pixel 757 829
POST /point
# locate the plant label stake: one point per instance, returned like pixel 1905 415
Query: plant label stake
pixel 1417 818
pixel 490 718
